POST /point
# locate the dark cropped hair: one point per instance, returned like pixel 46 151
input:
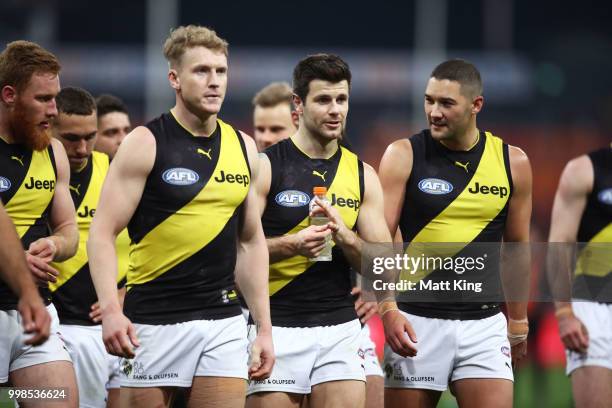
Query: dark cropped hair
pixel 461 71
pixel 107 103
pixel 75 101
pixel 326 67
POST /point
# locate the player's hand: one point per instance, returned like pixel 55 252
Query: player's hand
pixel 340 232
pixel 310 241
pixel 574 334
pixel 519 351
pixel 36 319
pixel 43 273
pixel 119 335
pixel 365 310
pixel 261 357
pixel 43 248
pixel 399 333
pixel 96 313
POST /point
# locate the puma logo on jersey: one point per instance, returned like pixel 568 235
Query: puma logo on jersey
pixel 233 178
pixel 87 212
pixel 75 189
pixel 344 202
pixel 18 159
pixel 322 175
pixel 463 166
pixel 205 153
pixel 40 184
pixel 495 190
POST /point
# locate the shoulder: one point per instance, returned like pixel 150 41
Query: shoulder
pixel 577 176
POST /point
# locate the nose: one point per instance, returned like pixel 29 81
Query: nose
pixel 435 111
pixel 52 109
pixel 81 147
pixel 334 108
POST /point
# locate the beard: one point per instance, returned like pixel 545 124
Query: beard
pixel 26 132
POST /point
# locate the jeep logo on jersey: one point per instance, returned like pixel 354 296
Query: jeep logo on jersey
pixel 495 190
pixel 233 178
pixel 605 196
pixel 435 186
pixel 40 184
pixel 292 198
pixel 180 176
pixel 344 202
pixel 5 184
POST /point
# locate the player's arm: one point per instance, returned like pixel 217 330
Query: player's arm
pixel 252 273
pixel 515 277
pixel 394 171
pixel 120 196
pixel 309 242
pixel 14 271
pixel 64 239
pixel 570 201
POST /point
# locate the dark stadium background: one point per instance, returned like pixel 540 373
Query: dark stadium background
pixel 546 65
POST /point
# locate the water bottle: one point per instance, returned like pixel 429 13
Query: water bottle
pixel 321 219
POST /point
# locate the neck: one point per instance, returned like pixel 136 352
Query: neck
pixel 5 130
pixel 465 141
pixel 313 146
pixel 81 168
pixel 196 125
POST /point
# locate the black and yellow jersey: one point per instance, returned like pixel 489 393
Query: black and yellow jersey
pixel 27 185
pixel 184 230
pixel 457 197
pixel 593 280
pixel 304 293
pixel 74 293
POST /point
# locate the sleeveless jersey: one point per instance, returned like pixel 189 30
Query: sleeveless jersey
pixel 457 197
pixel 184 230
pixel 593 280
pixel 27 185
pixel 305 293
pixel 74 293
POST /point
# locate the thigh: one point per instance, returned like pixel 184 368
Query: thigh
pixel 225 351
pixel 89 358
pixel 113 398
pixel 483 392
pixel 212 392
pixel 276 400
pixel 483 350
pixel 431 368
pixel 375 391
pixel 152 397
pixel 339 357
pixel 592 387
pixel 295 349
pixel 411 398
pixel 54 374
pixel 338 394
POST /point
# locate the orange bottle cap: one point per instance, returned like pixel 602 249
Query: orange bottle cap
pixel 319 190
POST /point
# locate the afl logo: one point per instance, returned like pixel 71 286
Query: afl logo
pixel 605 196
pixel 292 198
pixel 5 184
pixel 180 176
pixel 435 186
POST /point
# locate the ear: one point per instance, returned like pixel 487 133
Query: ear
pixel 174 79
pixel 8 94
pixel 295 118
pixel 299 106
pixel 477 104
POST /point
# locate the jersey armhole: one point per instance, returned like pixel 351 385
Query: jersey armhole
pixel 244 150
pixel 506 151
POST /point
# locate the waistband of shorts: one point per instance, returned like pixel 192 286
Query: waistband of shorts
pixel 469 313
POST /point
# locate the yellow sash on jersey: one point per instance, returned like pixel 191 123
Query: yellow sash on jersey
pixel 595 258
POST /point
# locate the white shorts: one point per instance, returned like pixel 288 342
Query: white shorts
pixel 172 354
pixel 93 366
pixel 368 348
pixel 307 356
pixel 597 317
pixel 451 350
pixel 20 355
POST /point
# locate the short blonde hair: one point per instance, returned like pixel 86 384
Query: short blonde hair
pixel 274 94
pixel 184 37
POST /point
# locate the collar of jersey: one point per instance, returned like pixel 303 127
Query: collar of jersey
pixel 189 131
pixel 313 158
